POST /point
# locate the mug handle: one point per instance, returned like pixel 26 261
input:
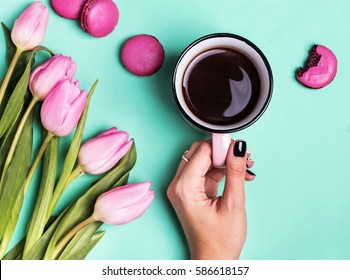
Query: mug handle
pixel 220 143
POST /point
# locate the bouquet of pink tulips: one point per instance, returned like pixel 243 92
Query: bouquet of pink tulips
pixel 63 110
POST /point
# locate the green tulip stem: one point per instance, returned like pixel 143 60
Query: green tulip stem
pixel 64 241
pixel 15 140
pixel 37 160
pixel 9 72
pixel 76 173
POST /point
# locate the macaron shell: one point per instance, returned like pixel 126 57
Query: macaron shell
pixel 70 9
pixel 142 55
pixel 99 17
pixel 320 75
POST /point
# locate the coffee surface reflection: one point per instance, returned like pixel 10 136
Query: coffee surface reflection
pixel 221 86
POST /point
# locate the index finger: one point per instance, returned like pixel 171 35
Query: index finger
pixel 200 162
pixel 188 155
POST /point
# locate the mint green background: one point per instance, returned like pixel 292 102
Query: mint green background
pixel 299 205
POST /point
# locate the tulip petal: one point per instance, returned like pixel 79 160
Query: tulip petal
pixel 123 204
pixel 30 27
pixel 114 158
pixel 125 195
pixel 101 148
pixel 47 75
pixel 102 152
pixel 53 109
pixel 128 214
pixel 92 147
pixel 107 132
pixel 72 116
pixel 58 115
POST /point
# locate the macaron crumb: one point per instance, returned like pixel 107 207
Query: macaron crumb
pixel 142 55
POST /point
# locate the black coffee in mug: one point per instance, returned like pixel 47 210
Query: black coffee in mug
pixel 222 83
pixel 221 86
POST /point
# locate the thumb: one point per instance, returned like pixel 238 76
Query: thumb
pixel 233 195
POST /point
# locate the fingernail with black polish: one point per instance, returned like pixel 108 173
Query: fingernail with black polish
pixel 250 172
pixel 239 149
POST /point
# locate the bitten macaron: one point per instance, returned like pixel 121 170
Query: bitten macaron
pixel 320 68
pixel 99 17
pixel 142 55
pixel 70 9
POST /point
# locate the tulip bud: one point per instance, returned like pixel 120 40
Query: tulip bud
pixel 101 153
pixel 47 75
pixel 63 107
pixel 29 28
pixel 124 204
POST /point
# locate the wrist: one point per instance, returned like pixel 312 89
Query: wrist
pixel 214 255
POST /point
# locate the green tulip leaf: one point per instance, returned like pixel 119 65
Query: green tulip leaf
pixel 14 179
pixel 10 46
pixel 81 255
pixel 6 142
pixel 24 58
pixel 16 252
pixel 17 98
pixel 11 224
pixel 38 221
pixel 10 52
pixel 37 251
pixel 83 207
pixel 15 103
pixel 20 65
pixel 80 245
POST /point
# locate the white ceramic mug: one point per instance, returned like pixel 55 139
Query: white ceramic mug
pixel 221 134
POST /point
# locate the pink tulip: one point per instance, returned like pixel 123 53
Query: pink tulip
pixel 29 28
pixel 63 107
pixel 102 152
pixel 124 204
pixel 47 75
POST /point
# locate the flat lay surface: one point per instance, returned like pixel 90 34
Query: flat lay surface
pixel 298 207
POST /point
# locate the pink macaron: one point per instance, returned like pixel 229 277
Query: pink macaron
pixel 320 68
pixel 99 17
pixel 142 55
pixel 70 9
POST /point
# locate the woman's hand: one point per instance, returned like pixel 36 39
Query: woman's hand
pixel 215 227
